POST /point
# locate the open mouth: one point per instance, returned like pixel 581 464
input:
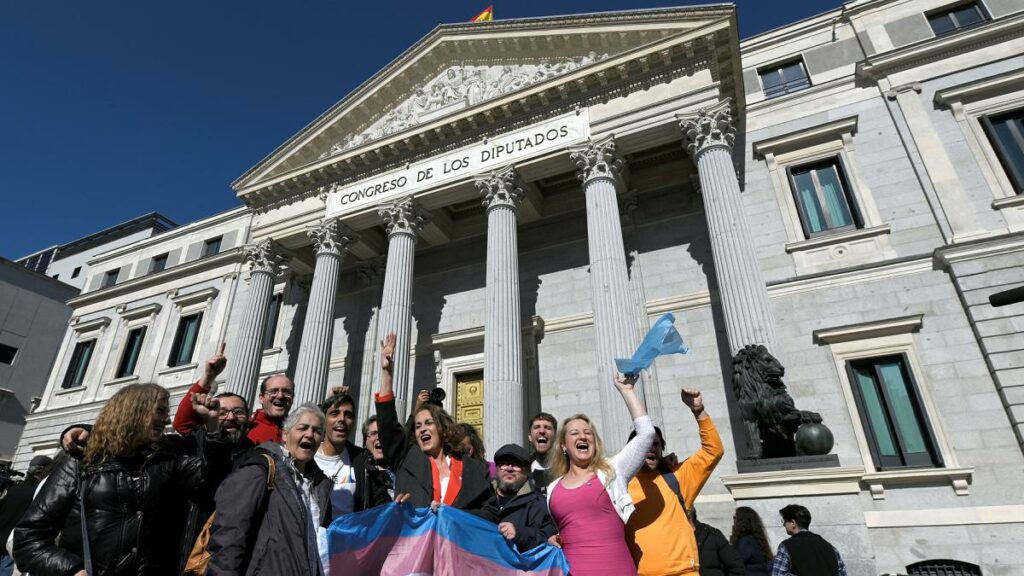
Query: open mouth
pixel 425 438
pixel 583 447
pixel 279 403
pixel 651 458
pixel 340 430
pixel 307 444
pixel 542 441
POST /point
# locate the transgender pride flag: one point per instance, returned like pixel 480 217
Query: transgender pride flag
pixel 399 540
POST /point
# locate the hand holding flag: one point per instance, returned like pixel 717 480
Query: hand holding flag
pixel 662 338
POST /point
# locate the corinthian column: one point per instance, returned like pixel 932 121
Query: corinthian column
pixel 616 323
pixel 330 241
pixel 402 219
pixel 748 317
pixel 264 262
pixel 504 394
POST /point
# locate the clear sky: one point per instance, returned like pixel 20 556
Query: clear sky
pixel 112 109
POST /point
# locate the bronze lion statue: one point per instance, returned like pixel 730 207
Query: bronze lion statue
pixel 768 411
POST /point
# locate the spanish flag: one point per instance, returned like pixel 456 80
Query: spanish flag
pixel 485 16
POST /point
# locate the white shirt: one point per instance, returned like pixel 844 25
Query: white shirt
pixel 321 532
pixel 343 481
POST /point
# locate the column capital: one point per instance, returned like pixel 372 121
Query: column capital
pixel 404 216
pixel 599 160
pixel 265 257
pixel 709 128
pixel 331 237
pixel 500 188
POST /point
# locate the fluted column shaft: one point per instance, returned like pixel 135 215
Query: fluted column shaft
pixel 313 364
pixel 615 311
pixel 264 260
pixel 504 393
pixel 744 296
pixel 402 219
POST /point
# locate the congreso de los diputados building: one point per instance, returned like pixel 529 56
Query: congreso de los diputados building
pixel 826 208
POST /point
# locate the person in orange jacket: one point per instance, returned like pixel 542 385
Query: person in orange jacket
pixel 659 534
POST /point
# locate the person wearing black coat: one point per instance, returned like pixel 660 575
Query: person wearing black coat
pixel 428 470
pixel 375 483
pixel 17 500
pixel 270 516
pixel 717 556
pixel 134 487
pixel 517 507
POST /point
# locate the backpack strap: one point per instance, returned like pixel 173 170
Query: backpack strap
pixel 271 471
pixel 86 552
pixel 673 483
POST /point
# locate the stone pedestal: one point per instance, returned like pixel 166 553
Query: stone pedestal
pixel 330 242
pixel 264 262
pixel 504 393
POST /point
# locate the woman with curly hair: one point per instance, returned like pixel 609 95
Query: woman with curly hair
pixel 751 542
pixel 131 488
pixel 589 497
pixel 427 461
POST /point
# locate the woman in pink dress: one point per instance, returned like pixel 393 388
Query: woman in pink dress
pixel 589 498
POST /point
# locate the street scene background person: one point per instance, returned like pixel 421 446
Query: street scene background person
pixel 750 540
pixel 717 556
pixel 589 496
pixel 804 552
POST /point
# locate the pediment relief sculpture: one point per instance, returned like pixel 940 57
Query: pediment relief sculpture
pixel 458 87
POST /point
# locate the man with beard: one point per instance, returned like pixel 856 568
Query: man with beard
pixel 375 482
pixel 659 533
pixel 542 433
pixel 336 454
pixel 520 511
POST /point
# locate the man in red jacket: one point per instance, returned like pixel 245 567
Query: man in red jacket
pixel 276 394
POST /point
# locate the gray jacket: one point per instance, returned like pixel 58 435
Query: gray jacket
pixel 257 531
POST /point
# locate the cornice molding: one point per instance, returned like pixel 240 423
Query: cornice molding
pixel 139 311
pixel 231 256
pixel 998 84
pixel 204 295
pixel 80 326
pixel 801 138
pixel 941 47
pixel 952 254
pixel 866 330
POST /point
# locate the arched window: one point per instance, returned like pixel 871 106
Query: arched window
pixel 943 568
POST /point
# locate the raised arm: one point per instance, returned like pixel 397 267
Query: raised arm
pixel 392 434
pixel 695 470
pixel 628 462
pixel 185 418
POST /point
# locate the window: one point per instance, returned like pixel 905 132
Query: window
pixel 823 198
pixel 185 340
pixel 211 246
pixel 158 263
pixel 1006 133
pixel 273 313
pixel 130 356
pixel 76 272
pixel 7 354
pixel 782 79
pixel 79 363
pixel 109 278
pixel 890 409
pixel 943 568
pixel 956 18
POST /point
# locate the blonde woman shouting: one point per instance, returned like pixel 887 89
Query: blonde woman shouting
pixel 589 498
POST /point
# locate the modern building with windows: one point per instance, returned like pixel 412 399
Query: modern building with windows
pixel 519 200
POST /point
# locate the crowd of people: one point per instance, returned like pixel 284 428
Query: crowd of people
pixel 237 492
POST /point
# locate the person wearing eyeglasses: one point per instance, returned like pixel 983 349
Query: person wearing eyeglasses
pixel 517 507
pixel 375 482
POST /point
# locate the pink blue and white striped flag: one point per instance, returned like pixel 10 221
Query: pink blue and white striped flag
pixel 399 540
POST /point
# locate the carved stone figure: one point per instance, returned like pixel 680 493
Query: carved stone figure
pixel 468 84
pixel 769 414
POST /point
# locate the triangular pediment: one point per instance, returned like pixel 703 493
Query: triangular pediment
pixel 464 66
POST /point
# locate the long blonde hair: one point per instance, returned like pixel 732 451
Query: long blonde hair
pixel 124 422
pixel 558 458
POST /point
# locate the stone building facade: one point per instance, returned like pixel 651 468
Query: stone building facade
pixel 518 200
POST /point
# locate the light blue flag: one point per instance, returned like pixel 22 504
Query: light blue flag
pixel 661 339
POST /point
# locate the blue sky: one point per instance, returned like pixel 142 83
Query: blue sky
pixel 113 109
